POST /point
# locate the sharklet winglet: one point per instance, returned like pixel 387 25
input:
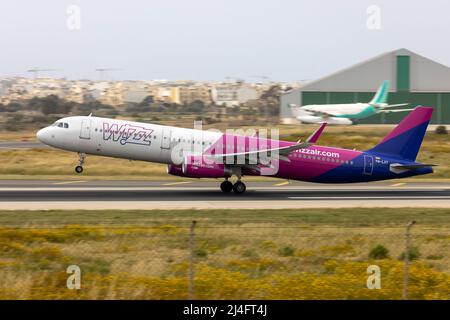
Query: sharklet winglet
pixel 316 134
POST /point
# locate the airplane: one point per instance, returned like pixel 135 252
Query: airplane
pixel 394 157
pixel 347 114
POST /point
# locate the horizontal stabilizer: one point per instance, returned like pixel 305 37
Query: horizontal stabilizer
pixel 411 166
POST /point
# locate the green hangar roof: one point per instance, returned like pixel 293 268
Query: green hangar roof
pixel 414 79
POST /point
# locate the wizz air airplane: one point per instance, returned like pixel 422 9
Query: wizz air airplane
pixel 217 155
pixel 350 113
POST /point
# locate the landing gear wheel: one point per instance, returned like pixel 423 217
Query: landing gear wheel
pixel 78 169
pixel 226 186
pixel 239 187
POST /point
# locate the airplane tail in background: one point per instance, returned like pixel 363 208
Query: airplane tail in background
pixel 382 93
pixel 405 140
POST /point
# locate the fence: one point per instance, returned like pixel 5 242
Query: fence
pixel 202 260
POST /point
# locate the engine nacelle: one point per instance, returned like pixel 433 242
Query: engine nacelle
pixel 201 167
pixel 175 170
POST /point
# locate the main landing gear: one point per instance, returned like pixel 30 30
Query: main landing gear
pixel 79 167
pixel 226 186
pixel 238 187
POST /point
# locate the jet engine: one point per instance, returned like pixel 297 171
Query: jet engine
pixel 199 167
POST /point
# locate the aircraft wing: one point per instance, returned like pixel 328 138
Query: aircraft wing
pixel 321 113
pixel 283 152
pixel 396 105
pixel 395 110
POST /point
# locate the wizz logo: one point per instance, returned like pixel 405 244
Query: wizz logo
pixel 127 133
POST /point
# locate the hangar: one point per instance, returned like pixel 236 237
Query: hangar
pixel 414 79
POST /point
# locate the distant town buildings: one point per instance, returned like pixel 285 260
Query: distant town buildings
pixel 233 93
pixel 117 93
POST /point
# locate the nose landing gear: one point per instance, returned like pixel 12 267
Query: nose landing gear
pixel 79 167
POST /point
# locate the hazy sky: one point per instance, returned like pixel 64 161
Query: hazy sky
pixel 212 39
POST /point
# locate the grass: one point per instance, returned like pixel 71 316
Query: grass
pixel 248 254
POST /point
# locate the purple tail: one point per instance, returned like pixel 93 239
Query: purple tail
pixel 404 141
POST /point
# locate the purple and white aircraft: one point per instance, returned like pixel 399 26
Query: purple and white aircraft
pixel 206 154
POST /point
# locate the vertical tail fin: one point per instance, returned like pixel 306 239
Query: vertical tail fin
pixel 382 93
pixel 405 140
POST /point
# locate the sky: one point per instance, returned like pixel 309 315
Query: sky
pixel 211 40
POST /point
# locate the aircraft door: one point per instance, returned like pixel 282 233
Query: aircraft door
pixel 85 132
pixel 165 139
pixel 368 165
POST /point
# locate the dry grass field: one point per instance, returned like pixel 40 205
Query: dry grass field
pixel 250 254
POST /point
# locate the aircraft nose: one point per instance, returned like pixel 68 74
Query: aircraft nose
pixel 42 135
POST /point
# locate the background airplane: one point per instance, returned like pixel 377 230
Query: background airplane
pixel 347 114
pixel 393 157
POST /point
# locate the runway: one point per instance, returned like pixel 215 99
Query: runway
pixel 21 145
pixel 198 194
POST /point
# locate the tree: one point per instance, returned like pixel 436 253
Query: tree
pixel 148 100
pixel 196 106
pixel 49 104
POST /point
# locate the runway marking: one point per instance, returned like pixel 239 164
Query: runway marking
pixel 371 198
pixel 208 205
pixel 11 148
pixel 200 188
pixel 281 184
pixel 398 184
pixel 175 183
pixel 68 182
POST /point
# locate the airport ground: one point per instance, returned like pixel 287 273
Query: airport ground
pixel 237 254
pixel 22 157
pixel 205 195
pixel 127 225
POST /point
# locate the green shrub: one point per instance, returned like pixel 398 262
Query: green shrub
pixel 414 254
pixel 286 251
pixel 379 252
pixel 441 130
pixel 250 254
pixel 435 257
pixel 201 253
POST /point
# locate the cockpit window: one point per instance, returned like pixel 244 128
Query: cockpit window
pixel 60 125
pixel 66 125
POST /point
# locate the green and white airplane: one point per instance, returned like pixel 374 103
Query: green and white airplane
pixel 349 113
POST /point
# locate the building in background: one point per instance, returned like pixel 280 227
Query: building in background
pixel 199 92
pixel 135 91
pixel 233 93
pixel 168 94
pixel 414 79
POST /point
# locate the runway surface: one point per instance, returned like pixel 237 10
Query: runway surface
pixel 21 144
pixel 198 194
